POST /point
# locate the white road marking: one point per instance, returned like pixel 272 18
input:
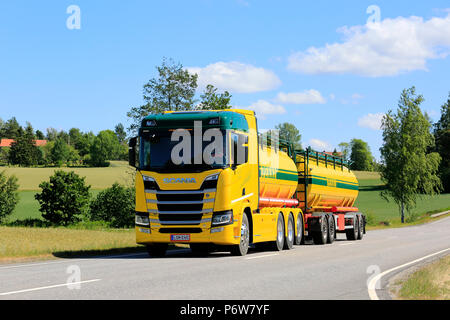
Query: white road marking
pixel 48 287
pixel 346 244
pixel 263 256
pixel 372 284
pixel 73 260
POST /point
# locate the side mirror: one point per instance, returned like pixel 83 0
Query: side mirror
pixel 132 152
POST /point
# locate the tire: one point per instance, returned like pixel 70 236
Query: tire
pixel 157 250
pixel 360 227
pixel 321 236
pixel 331 229
pixel 241 249
pixel 290 234
pixel 278 244
pixel 299 237
pixel 352 234
pixel 200 249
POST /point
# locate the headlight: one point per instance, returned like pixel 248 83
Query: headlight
pixel 222 218
pixel 149 183
pixel 142 219
pixel 210 182
pixel 213 177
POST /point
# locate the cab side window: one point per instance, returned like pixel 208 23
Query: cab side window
pixel 239 148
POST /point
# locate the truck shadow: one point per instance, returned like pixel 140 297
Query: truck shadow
pixel 135 253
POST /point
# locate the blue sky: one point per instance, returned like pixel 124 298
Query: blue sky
pixel 288 60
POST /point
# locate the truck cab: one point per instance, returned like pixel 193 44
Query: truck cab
pixel 197 179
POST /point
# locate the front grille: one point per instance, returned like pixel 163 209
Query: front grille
pixel 179 197
pixel 175 217
pixel 180 230
pixel 180 207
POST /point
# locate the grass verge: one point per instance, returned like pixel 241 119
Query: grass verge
pixel 17 243
pixel 431 282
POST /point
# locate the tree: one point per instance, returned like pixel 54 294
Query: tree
pixel 39 135
pixel 290 133
pixel 105 147
pixel 361 158
pixel 23 151
pixel 11 129
pixel 4 155
pixel 173 90
pixel 9 197
pixel 60 152
pixel 211 100
pixel 345 149
pixel 52 134
pixel 64 198
pixel 408 168
pixel 442 137
pixel 120 133
pixel 114 205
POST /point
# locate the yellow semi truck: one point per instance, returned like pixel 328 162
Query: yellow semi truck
pixel 257 191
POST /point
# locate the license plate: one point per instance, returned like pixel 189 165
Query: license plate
pixel 180 237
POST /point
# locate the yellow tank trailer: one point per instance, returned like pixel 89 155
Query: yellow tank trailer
pixel 254 193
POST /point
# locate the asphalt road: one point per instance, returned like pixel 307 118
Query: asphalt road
pixel 337 271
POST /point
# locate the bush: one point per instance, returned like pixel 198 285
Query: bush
pixel 8 195
pixel 64 199
pixel 114 205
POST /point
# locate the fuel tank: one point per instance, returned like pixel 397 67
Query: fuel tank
pixel 325 182
pixel 278 178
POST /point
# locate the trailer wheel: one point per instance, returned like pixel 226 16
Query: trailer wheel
pixel 321 236
pixel 278 244
pixel 241 249
pixel 299 238
pixel 360 227
pixel 157 249
pixel 331 229
pixel 290 234
pixel 352 234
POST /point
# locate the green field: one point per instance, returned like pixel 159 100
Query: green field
pixel 370 202
pixel 98 178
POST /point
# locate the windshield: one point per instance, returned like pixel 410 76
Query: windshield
pixel 175 151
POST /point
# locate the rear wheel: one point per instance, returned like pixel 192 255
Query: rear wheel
pixel 290 234
pixel 299 236
pixel 321 236
pixel 157 249
pixel 360 227
pixel 331 229
pixel 241 249
pixel 352 234
pixel 279 243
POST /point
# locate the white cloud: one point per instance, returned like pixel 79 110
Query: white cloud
pixel 306 97
pixel 236 77
pixel 371 121
pixel 263 107
pixel 386 48
pixel 320 145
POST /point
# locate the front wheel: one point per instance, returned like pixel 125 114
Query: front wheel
pixel 241 249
